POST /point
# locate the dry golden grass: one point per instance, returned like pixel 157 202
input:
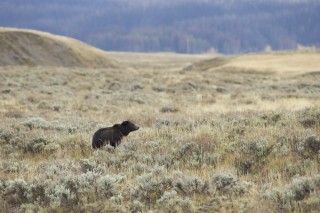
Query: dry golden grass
pixel 281 63
pixel 236 138
pixel 286 63
pixel 35 48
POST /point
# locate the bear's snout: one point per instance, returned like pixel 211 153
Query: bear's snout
pixel 137 127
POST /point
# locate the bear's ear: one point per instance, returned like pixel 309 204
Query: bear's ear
pixel 125 123
pixel 116 126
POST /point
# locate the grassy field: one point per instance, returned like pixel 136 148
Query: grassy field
pixel 218 134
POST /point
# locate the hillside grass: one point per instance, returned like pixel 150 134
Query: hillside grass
pixel 35 48
pixel 229 139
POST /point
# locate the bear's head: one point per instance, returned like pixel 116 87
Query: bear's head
pixel 127 127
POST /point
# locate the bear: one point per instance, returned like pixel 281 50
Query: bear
pixel 112 135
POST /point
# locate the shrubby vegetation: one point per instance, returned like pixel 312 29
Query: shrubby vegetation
pixel 277 169
pixel 209 142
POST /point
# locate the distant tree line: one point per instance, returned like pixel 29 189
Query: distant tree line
pixel 182 26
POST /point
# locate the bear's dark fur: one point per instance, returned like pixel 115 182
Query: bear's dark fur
pixel 112 135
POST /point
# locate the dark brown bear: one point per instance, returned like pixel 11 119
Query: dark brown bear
pixel 112 135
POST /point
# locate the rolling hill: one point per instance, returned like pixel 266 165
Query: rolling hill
pixel 35 48
pixel 280 63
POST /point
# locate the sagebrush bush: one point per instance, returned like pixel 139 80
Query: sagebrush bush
pixel 87 165
pixel 106 185
pixel 36 123
pixel 6 134
pixel 309 147
pixel 224 181
pixel 13 167
pixel 251 156
pixel 310 117
pixel 189 185
pixel 116 204
pixel 61 196
pixel 169 201
pixel 282 147
pixel 294 193
pixel 152 185
pixel 299 168
pixel 259 149
pixel 136 206
pixel 15 192
pixel 31 208
pixel 299 188
pixel 178 156
pixel 228 183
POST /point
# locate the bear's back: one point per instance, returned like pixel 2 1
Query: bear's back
pixel 100 136
pixel 111 135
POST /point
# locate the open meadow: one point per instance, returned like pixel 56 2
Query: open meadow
pixel 217 134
